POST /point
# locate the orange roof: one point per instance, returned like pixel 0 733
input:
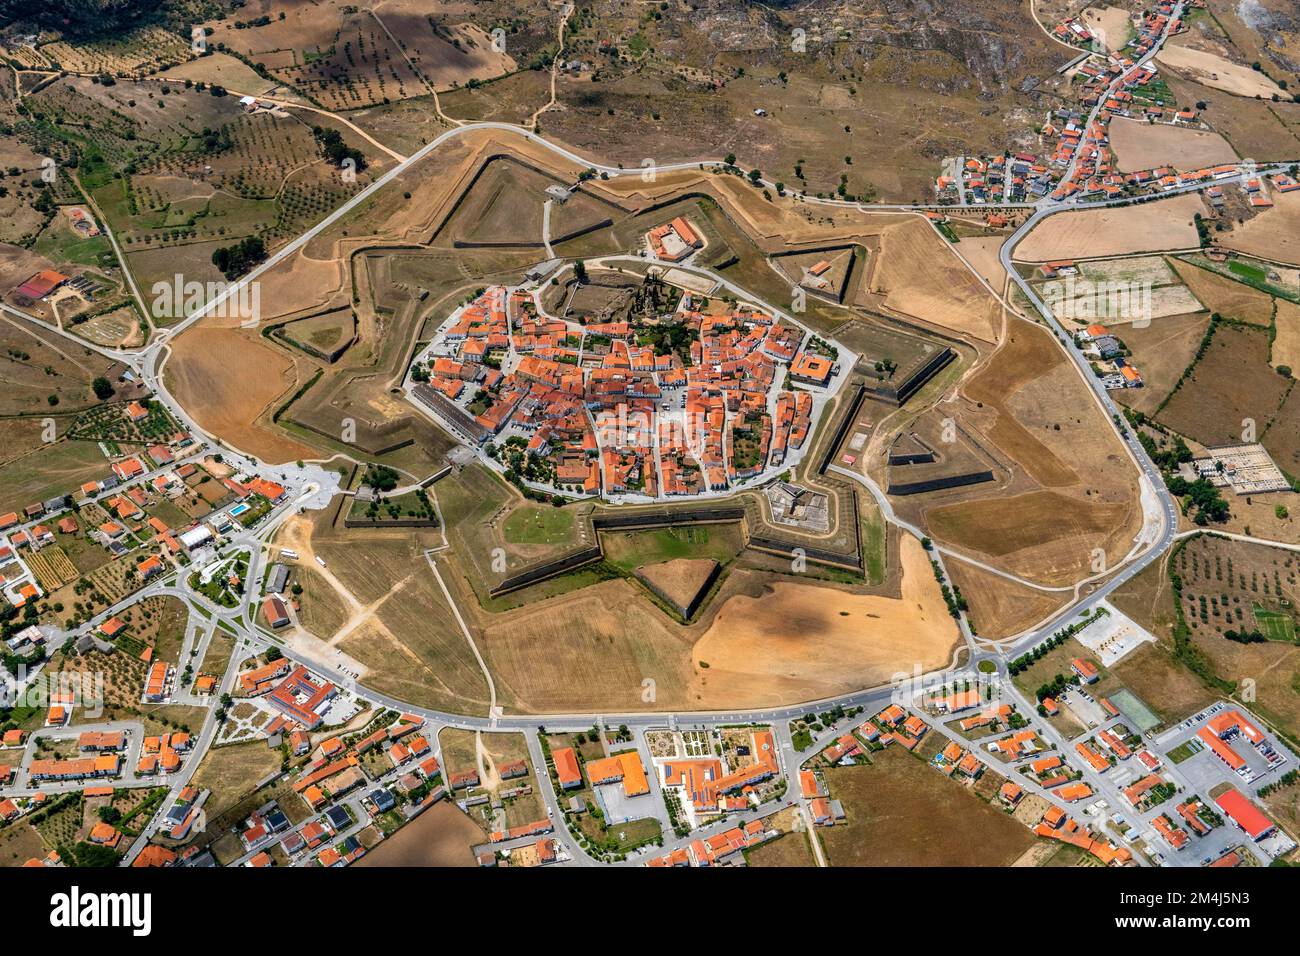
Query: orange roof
pixel 1075 791
pixel 1244 813
pixel 155 855
pixel 566 766
pixel 625 766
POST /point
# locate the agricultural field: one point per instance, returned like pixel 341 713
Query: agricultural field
pixel 1247 590
pixel 141 51
pixel 1253 127
pixel 1161 351
pixel 179 171
pixel 1220 293
pixel 1228 389
pixel 1217 72
pixel 1123 230
pixel 52 567
pixel 1140 145
pixel 343 58
pixel 1121 293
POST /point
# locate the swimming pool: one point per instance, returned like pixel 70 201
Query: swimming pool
pixel 238 510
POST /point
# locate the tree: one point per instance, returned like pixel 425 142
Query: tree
pixel 82 19
pixel 103 388
pixel 334 149
pixel 237 259
pixel 580 272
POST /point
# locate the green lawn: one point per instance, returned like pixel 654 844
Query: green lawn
pixel 621 837
pixel 1247 271
pixel 62 244
pixel 1275 625
pixel 1183 751
pixel 873 545
pixel 532 525
pixel 629 550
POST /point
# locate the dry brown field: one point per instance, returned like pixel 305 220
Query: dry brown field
pixel 787 850
pixel 440 836
pixel 1278 50
pixel 36 363
pixel 817 115
pixel 763 639
pixel 1216 72
pixel 1118 231
pixel 680 579
pixel 795 641
pixel 1272 235
pixel 199 374
pixel 943 293
pixel 1286 341
pixel 1232 383
pixel 225 70
pixel 1282 439
pixel 394 618
pixel 1115 24
pixel 982 253
pixel 613 641
pixel 1161 351
pixel 1141 145
pixel 1030 404
pixel 1000 608
pixel 898 810
pixel 1256 128
pixel 1231 299
pixel 119 329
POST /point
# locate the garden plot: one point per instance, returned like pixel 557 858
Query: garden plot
pixel 1140 288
